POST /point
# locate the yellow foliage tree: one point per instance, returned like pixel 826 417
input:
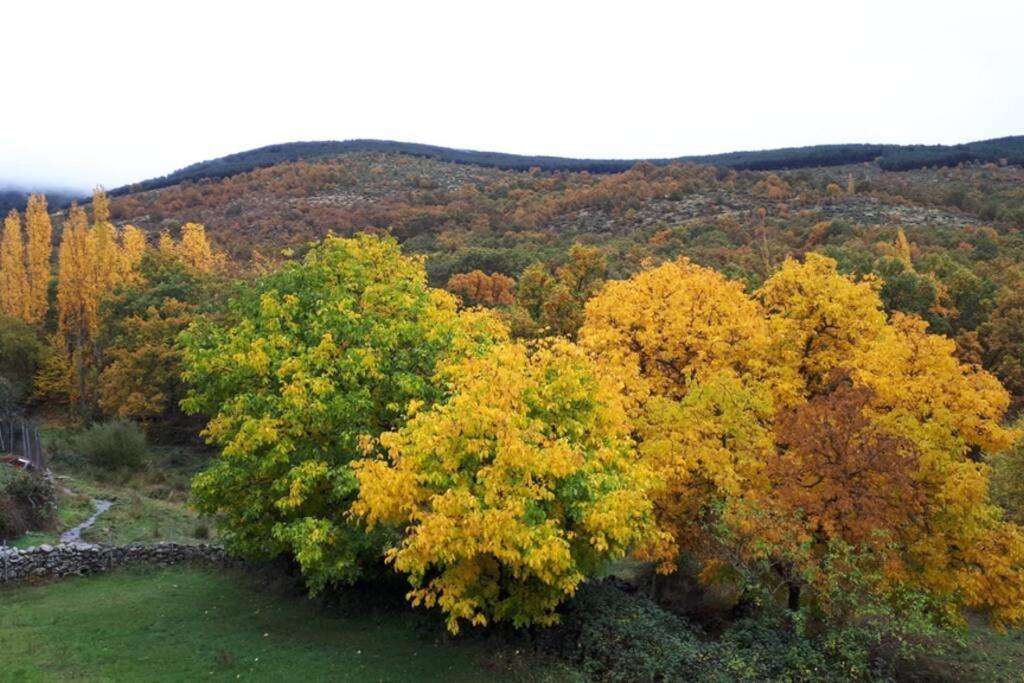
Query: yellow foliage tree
pixel 92 262
pixel 55 378
pixel 133 247
pixel 100 206
pixel 817 318
pixel 195 249
pixel 165 244
pixel 511 492
pixel 14 285
pixel 903 250
pixel 77 312
pixel 140 378
pixel 39 231
pixel 76 315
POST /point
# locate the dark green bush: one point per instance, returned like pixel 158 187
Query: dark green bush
pixel 113 445
pixel 612 635
pixel 616 636
pixel 27 502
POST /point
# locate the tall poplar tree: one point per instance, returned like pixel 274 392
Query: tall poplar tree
pixel 77 311
pixel 14 295
pixel 39 249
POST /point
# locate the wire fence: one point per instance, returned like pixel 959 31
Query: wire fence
pixel 20 445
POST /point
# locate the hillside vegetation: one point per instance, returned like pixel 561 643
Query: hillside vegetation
pixel 888 157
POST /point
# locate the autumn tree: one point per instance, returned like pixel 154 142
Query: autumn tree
pixel 480 289
pixel 841 469
pixel 105 262
pixel 140 380
pixel 92 262
pixel 195 249
pixel 552 303
pixel 77 307
pixel 133 248
pixel 142 318
pixel 100 206
pixel 688 347
pixel 15 298
pixel 1008 478
pixel 801 418
pixel 513 490
pixel 55 380
pixel 903 249
pixel 1002 336
pixel 39 247
pixel 166 245
pixel 324 356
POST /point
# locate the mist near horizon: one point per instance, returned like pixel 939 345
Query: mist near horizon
pixel 152 90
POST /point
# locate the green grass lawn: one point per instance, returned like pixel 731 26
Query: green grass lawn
pixel 136 517
pixel 190 624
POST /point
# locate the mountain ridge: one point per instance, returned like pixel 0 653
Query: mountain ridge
pixel 891 157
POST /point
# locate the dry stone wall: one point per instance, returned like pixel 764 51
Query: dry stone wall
pixel 77 559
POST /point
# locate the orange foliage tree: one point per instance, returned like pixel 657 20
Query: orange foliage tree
pixel 802 418
pixel 481 289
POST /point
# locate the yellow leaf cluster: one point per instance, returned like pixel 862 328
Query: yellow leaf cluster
pixel 193 248
pixel 511 491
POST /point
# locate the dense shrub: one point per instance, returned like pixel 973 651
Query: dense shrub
pixel 613 635
pixel 27 502
pixel 113 445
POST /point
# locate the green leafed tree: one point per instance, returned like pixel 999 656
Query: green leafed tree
pixel 324 356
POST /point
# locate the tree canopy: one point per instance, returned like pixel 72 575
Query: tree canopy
pixel 323 355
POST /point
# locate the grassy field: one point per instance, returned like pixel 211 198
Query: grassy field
pixel 150 504
pixel 190 624
pixel 136 517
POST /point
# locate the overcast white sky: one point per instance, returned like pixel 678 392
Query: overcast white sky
pixel 114 92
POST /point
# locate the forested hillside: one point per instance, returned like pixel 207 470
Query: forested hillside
pixel 944 243
pixel 1008 150
pixel 889 157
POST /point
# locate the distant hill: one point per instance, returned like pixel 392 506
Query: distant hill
pixel 17 198
pixel 889 157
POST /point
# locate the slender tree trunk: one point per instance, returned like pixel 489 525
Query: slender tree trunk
pixel 794 596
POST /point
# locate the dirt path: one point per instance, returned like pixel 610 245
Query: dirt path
pixel 75 535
